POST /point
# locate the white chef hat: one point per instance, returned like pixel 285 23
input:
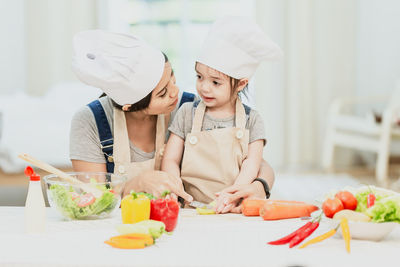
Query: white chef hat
pixel 124 66
pixel 235 46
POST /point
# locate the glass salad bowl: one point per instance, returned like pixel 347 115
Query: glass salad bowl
pixel 91 195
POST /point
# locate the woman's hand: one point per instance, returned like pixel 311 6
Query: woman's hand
pixel 229 199
pixel 155 183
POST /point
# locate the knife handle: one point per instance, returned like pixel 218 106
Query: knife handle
pixel 181 201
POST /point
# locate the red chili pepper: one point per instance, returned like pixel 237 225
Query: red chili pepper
pixel 370 200
pixel 165 210
pixel 286 239
pixel 303 234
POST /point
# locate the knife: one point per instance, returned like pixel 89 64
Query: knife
pixel 195 204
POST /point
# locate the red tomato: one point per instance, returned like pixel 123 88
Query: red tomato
pixel 331 206
pixel 86 200
pixel 349 201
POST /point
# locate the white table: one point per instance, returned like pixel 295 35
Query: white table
pixel 199 240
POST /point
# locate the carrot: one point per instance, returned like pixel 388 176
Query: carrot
pixel 251 207
pixel 130 241
pixel 285 210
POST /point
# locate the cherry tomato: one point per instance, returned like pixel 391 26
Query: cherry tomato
pixel 331 206
pixel 86 200
pixel 349 201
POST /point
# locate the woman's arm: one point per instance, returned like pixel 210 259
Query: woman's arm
pixel 84 166
pixel 251 165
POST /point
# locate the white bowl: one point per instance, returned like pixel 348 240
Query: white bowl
pixel 365 230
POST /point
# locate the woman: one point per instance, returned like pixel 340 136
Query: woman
pixel 132 135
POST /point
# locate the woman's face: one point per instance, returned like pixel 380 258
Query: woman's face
pixel 165 96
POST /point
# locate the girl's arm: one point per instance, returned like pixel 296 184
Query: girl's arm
pixel 173 155
pixel 251 165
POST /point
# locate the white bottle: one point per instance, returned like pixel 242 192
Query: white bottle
pixel 35 209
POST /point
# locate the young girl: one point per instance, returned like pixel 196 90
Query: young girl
pixel 218 141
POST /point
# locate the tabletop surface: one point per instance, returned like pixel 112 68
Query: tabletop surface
pixel 198 240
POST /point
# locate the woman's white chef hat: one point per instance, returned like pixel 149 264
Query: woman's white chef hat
pixel 235 46
pixel 124 66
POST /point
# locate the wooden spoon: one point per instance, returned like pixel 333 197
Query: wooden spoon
pixel 47 167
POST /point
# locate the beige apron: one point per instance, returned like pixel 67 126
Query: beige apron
pixel 122 153
pixel 212 159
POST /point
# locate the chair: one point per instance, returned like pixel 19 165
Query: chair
pixel 349 130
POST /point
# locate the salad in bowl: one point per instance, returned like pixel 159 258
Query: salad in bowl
pixel 74 202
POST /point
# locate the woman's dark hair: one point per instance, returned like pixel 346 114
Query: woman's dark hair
pixel 141 104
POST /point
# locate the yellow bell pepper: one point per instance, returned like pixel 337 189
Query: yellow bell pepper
pixel 135 208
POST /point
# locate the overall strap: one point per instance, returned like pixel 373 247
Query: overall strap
pixel 186 97
pixel 105 134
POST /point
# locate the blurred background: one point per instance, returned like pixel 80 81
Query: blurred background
pixel 340 55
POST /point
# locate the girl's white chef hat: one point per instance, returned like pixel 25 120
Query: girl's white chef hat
pixel 124 66
pixel 235 46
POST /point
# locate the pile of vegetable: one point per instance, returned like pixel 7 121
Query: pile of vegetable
pixel 144 217
pixel 82 206
pixel 367 203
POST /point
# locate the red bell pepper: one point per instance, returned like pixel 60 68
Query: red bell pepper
pixel 166 210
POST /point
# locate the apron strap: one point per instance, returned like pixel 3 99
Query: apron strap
pixel 105 134
pixel 198 117
pixel 121 139
pixel 240 116
pixel 122 146
pixel 162 122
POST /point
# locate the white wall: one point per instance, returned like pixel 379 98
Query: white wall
pixel 12 48
pixel 50 26
pixel 378 46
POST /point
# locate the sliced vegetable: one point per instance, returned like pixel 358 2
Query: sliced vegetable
pixel 66 202
pixel 344 226
pixel 205 211
pixel 285 210
pixel 130 241
pixel 135 208
pixel 86 200
pixel 150 227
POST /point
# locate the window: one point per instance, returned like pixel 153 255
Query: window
pixel 177 27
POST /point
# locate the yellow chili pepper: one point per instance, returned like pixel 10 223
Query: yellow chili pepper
pixel 319 238
pixel 135 208
pixel 344 225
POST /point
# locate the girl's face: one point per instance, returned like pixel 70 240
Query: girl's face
pixel 213 87
pixel 165 96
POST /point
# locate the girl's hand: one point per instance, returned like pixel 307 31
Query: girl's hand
pixel 223 205
pixel 155 183
pixel 229 199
